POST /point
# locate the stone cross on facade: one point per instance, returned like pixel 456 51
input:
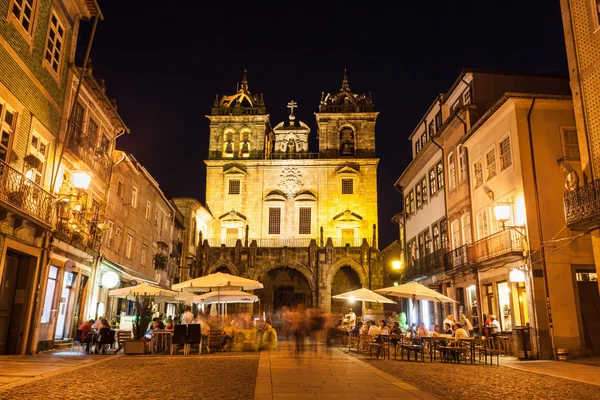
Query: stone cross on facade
pixel 291 105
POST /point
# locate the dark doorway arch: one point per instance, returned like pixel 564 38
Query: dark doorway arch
pixel 284 287
pixel 344 280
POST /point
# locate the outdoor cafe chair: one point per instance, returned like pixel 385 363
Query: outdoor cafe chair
pixel 106 338
pixel 381 344
pixel 488 349
pixel 194 337
pixel 215 337
pixel 179 338
pixel 122 337
pixel 353 340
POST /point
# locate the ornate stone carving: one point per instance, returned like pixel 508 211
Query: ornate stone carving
pixel 290 181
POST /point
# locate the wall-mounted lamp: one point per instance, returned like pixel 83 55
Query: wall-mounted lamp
pixel 81 180
pixel 502 213
pixel 396 265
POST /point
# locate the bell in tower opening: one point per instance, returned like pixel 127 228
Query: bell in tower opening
pixel 245 145
pixel 229 144
pixel 347 142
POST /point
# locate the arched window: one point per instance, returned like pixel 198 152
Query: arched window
pixel 347 142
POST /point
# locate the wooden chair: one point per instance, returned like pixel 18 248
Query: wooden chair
pixel 107 338
pixel 77 339
pixel 353 340
pixel 194 337
pixel 489 349
pixel 381 344
pixel 215 336
pixel 122 337
pixel 179 338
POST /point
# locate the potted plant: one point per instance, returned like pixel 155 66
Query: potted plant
pixel 141 321
pixel 32 162
pixel 160 261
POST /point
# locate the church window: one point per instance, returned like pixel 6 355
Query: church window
pixel 347 186
pixel 346 142
pixel 234 186
pixel 304 221
pixel 432 182
pixel 505 155
pixel 451 171
pixel 274 220
pixel 439 168
pixel 571 144
pixel 348 236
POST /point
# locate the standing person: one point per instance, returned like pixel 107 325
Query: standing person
pixel 350 319
pixel 393 318
pixel 466 323
pixel 449 320
pixel 187 317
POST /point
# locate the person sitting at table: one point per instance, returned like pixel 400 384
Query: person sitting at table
pixel 104 329
pixel 393 318
pixel 375 329
pixel 96 325
pixel 366 328
pixel 412 331
pixel 229 334
pixel 383 327
pixel 395 329
pixel 170 325
pixel 422 331
pixel 269 338
pixel 459 332
pixel 357 328
pixel 447 329
pixel 86 328
pixel 449 320
pixel 436 331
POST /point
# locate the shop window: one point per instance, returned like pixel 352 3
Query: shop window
pixel 472 299
pixel 49 297
pixel 504 303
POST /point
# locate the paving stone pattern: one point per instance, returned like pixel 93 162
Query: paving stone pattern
pixel 227 376
pixel 481 381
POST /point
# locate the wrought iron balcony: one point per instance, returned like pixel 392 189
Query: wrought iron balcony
pixel 24 195
pixel 424 266
pixel 505 243
pixel 457 258
pixel 78 237
pixel 582 207
pixel 85 146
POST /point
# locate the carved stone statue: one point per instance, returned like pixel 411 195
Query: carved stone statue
pixel 571 176
pixel 291 146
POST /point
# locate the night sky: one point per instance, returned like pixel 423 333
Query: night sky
pixel 164 62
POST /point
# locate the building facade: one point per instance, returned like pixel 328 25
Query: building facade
pixel 581 23
pixel 303 223
pixel 37 39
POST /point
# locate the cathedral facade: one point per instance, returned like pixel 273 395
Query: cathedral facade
pixel 302 222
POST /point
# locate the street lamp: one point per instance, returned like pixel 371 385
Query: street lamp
pixel 396 265
pixel 502 213
pixel 81 180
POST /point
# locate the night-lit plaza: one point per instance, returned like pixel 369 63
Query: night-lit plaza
pixel 276 200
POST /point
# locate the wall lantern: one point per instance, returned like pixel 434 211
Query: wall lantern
pixel 516 275
pixel 396 264
pixel 502 212
pixel 81 180
pixel 110 279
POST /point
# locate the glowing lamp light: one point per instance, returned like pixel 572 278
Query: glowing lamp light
pixel 395 283
pixel 351 299
pixel 502 212
pixel 110 279
pixel 396 264
pixel 516 275
pixel 81 180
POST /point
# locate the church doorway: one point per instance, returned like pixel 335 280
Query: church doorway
pixel 284 287
pixel 344 280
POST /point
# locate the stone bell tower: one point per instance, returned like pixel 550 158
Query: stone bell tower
pixel 239 125
pixel 346 124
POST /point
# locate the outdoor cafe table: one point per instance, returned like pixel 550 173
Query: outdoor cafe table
pixel 472 342
pixel 161 339
pixel 432 340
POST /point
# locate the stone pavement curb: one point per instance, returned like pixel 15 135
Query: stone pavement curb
pixel 25 381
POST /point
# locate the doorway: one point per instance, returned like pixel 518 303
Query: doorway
pixel 65 305
pixel 589 300
pixel 15 294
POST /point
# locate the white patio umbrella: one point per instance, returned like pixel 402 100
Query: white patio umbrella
pixel 226 296
pixel 160 295
pixel 364 295
pixel 415 291
pixel 219 281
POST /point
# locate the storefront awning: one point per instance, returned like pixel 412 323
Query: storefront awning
pixel 130 273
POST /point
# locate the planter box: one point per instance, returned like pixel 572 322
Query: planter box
pixel 137 346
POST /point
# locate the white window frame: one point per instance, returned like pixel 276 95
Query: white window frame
pixel 465 222
pixel 27 33
pixel 148 210
pixel 49 41
pixel 483 224
pixel 491 170
pixel 128 246
pixel 451 171
pixel 563 139
pixel 463 166
pixel 7 128
pixel 35 150
pixel 118 232
pixel 500 159
pixel 455 234
pixel 134 196
pixel 477 177
pixel 143 255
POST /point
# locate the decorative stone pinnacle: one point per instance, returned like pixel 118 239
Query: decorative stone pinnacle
pixel 345 84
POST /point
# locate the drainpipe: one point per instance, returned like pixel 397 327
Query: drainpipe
pixel 541 238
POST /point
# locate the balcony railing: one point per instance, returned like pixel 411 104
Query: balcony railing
pixel 457 258
pixel 504 242
pixel 65 233
pixel 291 242
pixel 25 195
pixel 426 265
pixel 582 206
pixel 86 148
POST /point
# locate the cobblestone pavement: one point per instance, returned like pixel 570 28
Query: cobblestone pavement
pixel 472 381
pixel 227 376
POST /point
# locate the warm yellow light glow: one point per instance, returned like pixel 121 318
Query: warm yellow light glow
pixel 81 180
pixel 59 179
pixel 110 279
pixel 521 217
pixel 396 264
pixel 351 299
pixel 502 212
pixel 395 283
pixel 516 275
pixel 29 174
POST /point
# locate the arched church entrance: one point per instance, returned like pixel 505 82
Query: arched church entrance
pixel 283 287
pixel 344 280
